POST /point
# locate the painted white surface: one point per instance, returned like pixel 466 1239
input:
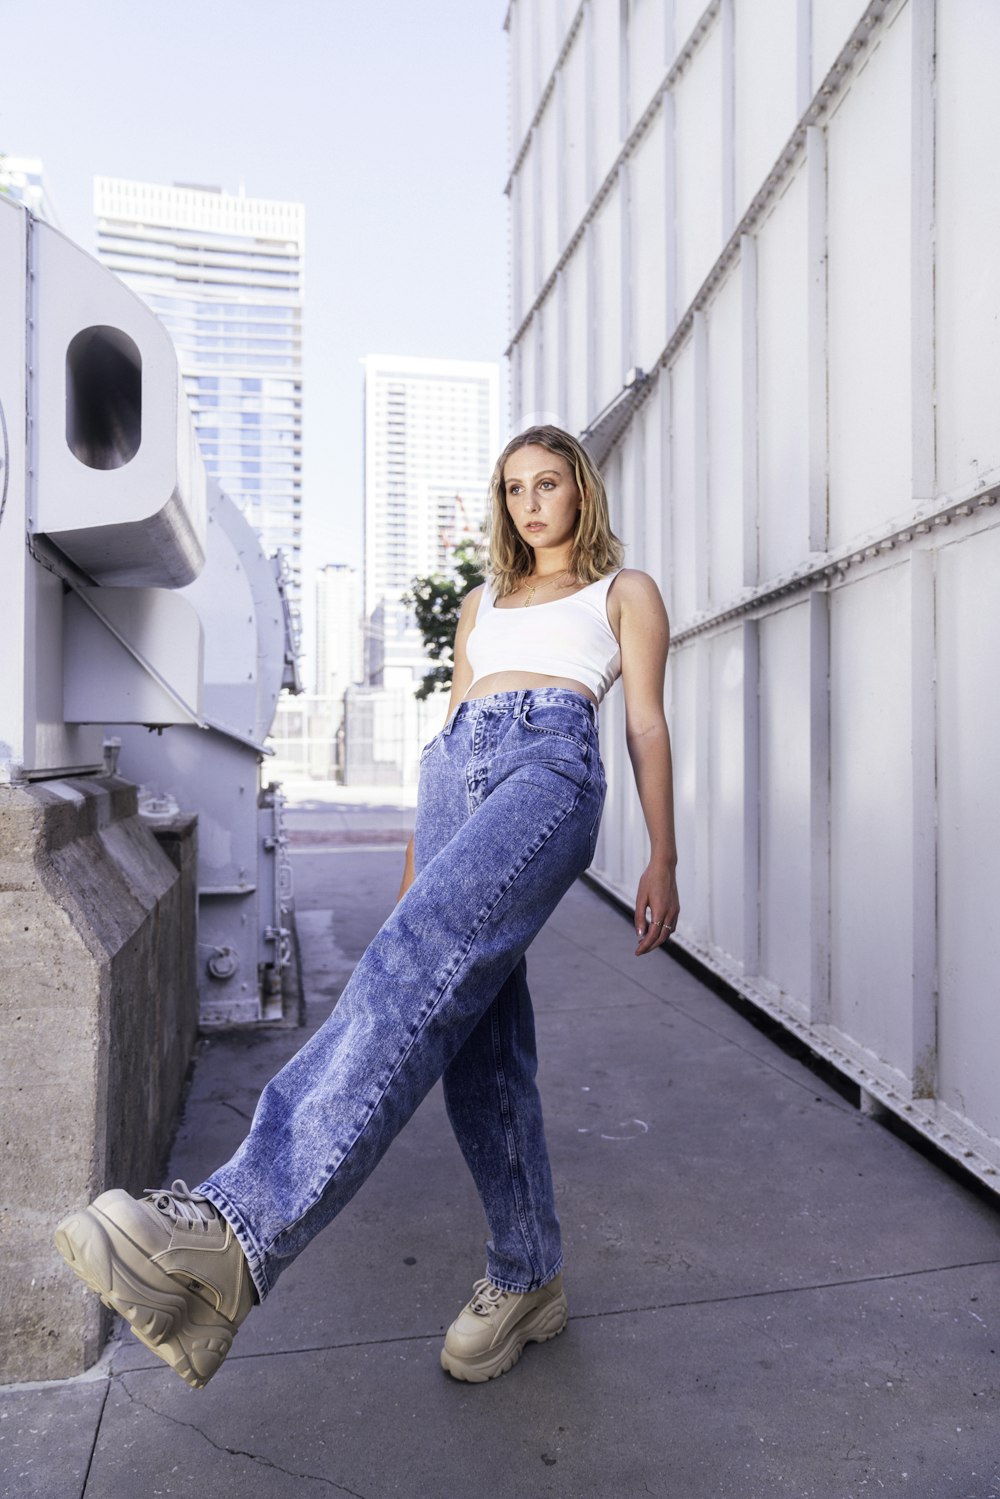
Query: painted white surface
pixel 783 413
pixel 698 110
pixel 725 790
pixel 683 581
pixel 870 813
pixel 785 824
pixel 647 170
pixel 577 339
pixel 967 219
pixel 765 92
pixel 869 284
pixel 604 102
pixel 832 22
pixel 647 53
pixel 834 385
pixel 725 442
pixel 607 241
pixel 968 726
pixel 573 81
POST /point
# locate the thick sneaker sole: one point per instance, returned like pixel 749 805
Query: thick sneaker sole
pixel 539 1326
pixel 175 1324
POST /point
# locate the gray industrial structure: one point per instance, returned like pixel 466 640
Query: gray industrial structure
pixel 147 639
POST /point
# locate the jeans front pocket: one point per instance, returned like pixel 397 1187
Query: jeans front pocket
pixel 562 720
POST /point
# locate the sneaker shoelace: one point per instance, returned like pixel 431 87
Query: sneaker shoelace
pixel 486 1298
pixel 180 1205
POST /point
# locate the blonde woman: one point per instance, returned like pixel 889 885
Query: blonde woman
pixel 510 800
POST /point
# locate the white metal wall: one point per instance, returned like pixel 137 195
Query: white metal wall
pixel 786 213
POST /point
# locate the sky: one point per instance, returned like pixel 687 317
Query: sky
pixel 387 119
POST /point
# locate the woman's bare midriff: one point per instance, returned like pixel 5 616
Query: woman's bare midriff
pixel 514 681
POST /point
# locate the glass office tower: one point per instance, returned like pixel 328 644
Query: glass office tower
pixel 225 275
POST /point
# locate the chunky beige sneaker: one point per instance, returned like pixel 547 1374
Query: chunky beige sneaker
pixel 488 1334
pixel 170 1264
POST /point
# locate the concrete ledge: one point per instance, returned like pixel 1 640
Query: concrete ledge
pixel 99 1018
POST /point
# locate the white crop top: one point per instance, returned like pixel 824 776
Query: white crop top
pixel 569 637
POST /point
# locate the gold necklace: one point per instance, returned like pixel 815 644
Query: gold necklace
pixel 544 583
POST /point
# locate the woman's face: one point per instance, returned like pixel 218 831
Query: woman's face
pixel 542 498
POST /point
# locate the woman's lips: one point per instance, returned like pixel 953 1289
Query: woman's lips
pixel 535 525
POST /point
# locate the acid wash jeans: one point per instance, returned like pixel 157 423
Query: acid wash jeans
pixel 510 799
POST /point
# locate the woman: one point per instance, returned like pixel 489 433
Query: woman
pixel 511 792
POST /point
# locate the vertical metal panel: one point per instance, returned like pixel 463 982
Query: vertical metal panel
pixel 647 281
pixel 684 563
pixel 576 350
pixel 689 787
pixel 782 363
pixel 550 172
pixel 647 52
pixel 605 101
pixel 869 328
pixel 551 22
pixel 724 391
pixel 725 800
pixel 550 362
pixel 967 221
pixel 526 285
pixel 871 814
pixel 687 14
pixel 607 244
pixel 527 377
pixel 698 136
pixel 766 104
pixel 573 168
pixel 832 21
pixel 698 502
pixel 816 340
pixel 785 800
pixel 968 725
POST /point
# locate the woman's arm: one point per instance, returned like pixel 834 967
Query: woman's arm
pixel 644 637
pixel 461 681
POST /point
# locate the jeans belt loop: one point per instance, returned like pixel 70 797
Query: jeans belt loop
pixel 522 693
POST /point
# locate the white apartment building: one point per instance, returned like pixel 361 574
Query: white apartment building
pixel 339 634
pixel 751 263
pixel 432 430
pixel 225 274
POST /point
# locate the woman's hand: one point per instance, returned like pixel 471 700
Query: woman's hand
pixel 656 907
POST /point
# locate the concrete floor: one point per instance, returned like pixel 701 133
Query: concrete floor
pixel 771 1295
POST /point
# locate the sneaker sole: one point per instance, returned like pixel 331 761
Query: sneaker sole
pixel 179 1327
pixel 539 1326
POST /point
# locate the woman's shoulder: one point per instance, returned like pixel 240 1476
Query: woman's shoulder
pixel 631 585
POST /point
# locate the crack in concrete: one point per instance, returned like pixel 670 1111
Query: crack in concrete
pixel 93 1445
pixel 254 1457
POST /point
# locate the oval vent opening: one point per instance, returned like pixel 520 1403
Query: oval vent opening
pixel 103 397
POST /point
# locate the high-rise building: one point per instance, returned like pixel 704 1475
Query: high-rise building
pixel 225 275
pixel 339 639
pixel 23 178
pixel 431 435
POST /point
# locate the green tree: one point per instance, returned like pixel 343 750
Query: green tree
pixel 437 601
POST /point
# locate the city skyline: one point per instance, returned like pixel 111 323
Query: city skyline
pixel 391 129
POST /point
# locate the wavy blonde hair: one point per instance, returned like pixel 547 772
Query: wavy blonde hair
pixel 596 548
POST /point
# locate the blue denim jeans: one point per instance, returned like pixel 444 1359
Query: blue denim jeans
pixel 509 803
